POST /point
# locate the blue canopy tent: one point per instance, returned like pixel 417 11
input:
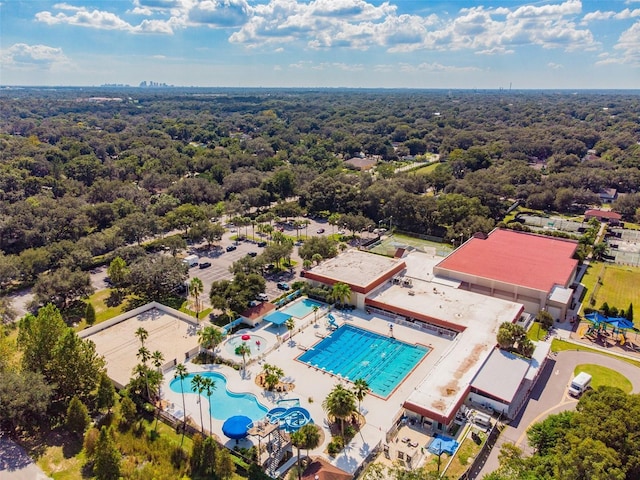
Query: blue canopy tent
pixel 620 323
pixel 596 317
pixel 236 427
pixel 277 318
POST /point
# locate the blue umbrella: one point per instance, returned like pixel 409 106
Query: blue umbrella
pixel 236 427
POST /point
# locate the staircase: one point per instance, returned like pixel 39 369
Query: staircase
pixel 279 445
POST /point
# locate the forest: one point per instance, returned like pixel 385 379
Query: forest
pixel 84 172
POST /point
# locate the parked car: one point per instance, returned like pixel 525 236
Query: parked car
pixel 262 244
pixel 340 232
pixel 252 254
pixel 321 230
pixel 283 286
pixel 263 297
pixel 231 248
pixel 204 264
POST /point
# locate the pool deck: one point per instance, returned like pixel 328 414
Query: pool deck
pixel 312 385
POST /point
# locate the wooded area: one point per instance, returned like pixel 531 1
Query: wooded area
pixel 84 172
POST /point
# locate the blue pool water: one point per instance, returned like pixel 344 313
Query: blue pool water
pixel 355 353
pixel 224 404
pixel 302 308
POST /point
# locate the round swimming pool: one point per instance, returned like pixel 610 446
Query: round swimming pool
pixel 224 404
pixel 256 344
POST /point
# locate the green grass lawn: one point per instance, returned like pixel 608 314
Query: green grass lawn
pixel 603 376
pixel 426 169
pixel 618 285
pixel 560 346
pixel 464 456
pixel 536 332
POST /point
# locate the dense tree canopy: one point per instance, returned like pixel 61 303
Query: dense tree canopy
pixel 598 441
pixel 79 179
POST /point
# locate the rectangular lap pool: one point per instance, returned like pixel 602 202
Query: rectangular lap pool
pixel 355 353
pixel 302 308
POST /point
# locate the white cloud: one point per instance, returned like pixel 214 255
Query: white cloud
pixel 220 13
pixel 622 15
pixel 84 18
pixel 22 55
pixel 555 66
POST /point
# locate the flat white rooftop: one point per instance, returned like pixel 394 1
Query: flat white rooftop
pixel 506 366
pixel 477 316
pixel 356 268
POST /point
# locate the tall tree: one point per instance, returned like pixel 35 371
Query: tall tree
pixel 210 337
pixel 243 350
pixel 106 457
pixel 340 292
pixel 106 395
pixel 77 419
pixel 198 387
pixel 182 373
pixel 340 404
pixel 209 386
pixel 360 389
pixel 196 288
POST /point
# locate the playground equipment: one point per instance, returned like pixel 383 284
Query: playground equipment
pixel 289 419
pixel 332 322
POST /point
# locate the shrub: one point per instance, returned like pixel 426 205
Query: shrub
pixel 90 440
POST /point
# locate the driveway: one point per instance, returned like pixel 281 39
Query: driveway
pixel 549 396
pixel 15 464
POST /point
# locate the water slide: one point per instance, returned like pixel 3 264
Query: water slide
pixel 290 419
pixel 332 321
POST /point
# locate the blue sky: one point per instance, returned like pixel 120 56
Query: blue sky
pixel 491 44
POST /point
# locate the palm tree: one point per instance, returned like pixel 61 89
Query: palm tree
pixel 312 436
pixel 315 313
pixel 298 440
pixel 272 375
pixel 196 288
pixel 157 359
pixel 209 386
pixel 360 390
pixel 142 334
pixel 210 337
pixel 341 292
pixel 340 404
pixel 145 355
pixel 244 350
pixel 291 325
pixel 181 373
pixel 196 384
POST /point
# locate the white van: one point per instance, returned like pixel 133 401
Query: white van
pixel 579 384
pixel 191 260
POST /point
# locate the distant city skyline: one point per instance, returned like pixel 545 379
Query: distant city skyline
pixel 454 44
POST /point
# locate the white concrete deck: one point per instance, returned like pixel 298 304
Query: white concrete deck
pixel 312 386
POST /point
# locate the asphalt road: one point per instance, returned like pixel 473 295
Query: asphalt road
pixel 15 464
pixel 550 396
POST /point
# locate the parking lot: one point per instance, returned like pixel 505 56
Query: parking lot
pixel 221 259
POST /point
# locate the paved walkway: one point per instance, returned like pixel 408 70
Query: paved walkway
pixel 550 396
pixel 15 464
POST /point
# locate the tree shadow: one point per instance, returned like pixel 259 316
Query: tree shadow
pixel 114 299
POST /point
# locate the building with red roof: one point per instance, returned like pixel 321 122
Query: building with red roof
pixel 603 216
pixel 534 270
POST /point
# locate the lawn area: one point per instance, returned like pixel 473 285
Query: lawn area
pixel 560 346
pixel 426 169
pixel 387 247
pixel 618 285
pixel 604 376
pixel 536 332
pixel 464 456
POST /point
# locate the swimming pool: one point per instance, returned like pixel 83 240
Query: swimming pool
pixel 355 353
pixel 224 404
pixel 256 344
pixel 302 308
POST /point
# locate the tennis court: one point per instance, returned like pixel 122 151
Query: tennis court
pixel 389 244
